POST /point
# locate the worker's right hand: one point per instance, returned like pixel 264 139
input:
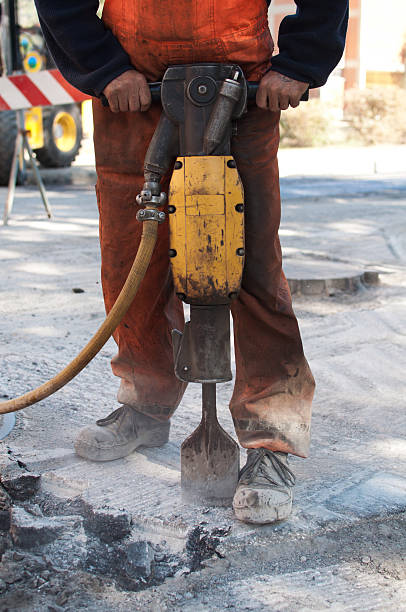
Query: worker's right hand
pixel 128 92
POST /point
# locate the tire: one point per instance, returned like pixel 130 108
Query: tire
pixel 62 136
pixel 8 133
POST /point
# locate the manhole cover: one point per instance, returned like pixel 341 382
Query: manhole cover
pixel 320 277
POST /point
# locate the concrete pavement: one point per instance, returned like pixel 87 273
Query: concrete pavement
pixel 343 547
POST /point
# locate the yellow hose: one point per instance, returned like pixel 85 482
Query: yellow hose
pixel 123 302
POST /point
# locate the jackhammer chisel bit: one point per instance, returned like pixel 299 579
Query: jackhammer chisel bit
pixel 210 458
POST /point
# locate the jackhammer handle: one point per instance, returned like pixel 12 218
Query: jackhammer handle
pixel 155 89
pixel 252 88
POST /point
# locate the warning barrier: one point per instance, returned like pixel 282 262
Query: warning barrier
pixel 43 88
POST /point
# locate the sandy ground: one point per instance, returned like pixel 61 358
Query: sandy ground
pixel 344 546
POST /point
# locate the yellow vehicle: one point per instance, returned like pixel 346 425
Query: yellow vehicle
pixel 55 132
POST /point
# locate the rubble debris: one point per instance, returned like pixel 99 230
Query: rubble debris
pixel 17 556
pixel 202 544
pixel 163 571
pixel 43 541
pixel 5 505
pixel 63 597
pixel 108 524
pixel 140 560
pixel 11 571
pixel 16 478
pixel 5 543
pixel 28 530
pixel 20 575
pixel 129 564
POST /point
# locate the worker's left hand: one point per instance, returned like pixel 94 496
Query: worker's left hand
pixel 277 91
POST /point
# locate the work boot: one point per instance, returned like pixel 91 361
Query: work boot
pixel 264 490
pixel 119 434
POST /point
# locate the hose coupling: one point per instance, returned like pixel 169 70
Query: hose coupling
pixel 151 214
pixel 151 194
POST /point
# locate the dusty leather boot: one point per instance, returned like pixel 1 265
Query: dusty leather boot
pixel 119 434
pixel 264 490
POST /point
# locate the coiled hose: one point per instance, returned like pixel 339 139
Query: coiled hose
pixel 122 304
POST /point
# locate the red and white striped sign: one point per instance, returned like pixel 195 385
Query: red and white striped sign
pixel 43 88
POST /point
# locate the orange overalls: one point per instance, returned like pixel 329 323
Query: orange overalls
pixel 271 403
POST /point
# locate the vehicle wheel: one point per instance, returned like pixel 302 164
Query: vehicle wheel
pixel 8 133
pixel 62 136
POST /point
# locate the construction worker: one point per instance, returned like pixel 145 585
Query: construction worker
pixel 116 53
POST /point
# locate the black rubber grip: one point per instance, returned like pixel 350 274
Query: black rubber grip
pixel 252 88
pixel 155 89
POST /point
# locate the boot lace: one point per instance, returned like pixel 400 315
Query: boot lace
pixel 113 416
pixel 257 466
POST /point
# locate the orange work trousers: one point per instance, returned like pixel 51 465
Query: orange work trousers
pixel 271 403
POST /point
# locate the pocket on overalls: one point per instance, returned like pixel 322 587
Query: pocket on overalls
pixel 233 16
pixel 242 28
pixel 252 50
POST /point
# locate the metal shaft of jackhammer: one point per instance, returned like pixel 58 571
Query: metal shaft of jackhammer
pixel 209 406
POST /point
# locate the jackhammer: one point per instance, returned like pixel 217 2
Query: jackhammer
pixel 206 225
